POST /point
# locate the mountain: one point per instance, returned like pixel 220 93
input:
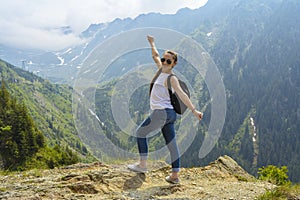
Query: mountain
pixel 255 45
pixel 49 105
pixel 256 49
pixel 221 179
pixel 68 61
pixel 259 53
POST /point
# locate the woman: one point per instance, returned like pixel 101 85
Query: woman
pixel 163 115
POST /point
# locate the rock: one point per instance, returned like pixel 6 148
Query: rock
pixel 225 166
pixel 83 188
pixel 221 179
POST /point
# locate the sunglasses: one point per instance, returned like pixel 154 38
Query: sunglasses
pixel 169 62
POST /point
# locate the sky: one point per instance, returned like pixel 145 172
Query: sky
pixel 36 24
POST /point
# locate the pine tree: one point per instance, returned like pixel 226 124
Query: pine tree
pixel 22 145
pixel 19 138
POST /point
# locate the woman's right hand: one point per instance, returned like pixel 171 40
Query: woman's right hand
pixel 150 39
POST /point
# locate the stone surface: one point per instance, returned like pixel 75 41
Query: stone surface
pixel 221 179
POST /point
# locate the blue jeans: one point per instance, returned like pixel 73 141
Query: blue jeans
pixel 163 119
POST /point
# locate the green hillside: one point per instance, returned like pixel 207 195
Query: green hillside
pixel 257 50
pixel 49 106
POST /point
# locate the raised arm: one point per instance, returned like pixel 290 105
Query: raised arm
pixel 155 54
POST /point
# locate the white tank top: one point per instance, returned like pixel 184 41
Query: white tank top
pixel 160 98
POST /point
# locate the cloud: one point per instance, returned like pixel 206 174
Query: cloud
pixel 36 24
pixel 28 37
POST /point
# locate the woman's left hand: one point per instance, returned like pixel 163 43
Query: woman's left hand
pixel 198 114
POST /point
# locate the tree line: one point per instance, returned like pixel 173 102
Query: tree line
pixel 22 145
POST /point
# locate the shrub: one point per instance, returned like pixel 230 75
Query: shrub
pixel 274 175
pixel 282 192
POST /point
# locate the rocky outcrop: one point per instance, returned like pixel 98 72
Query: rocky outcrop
pixel 221 179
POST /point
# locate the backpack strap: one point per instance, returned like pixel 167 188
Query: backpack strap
pixel 169 85
pixel 154 79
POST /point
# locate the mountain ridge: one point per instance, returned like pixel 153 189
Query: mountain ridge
pixel 46 64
